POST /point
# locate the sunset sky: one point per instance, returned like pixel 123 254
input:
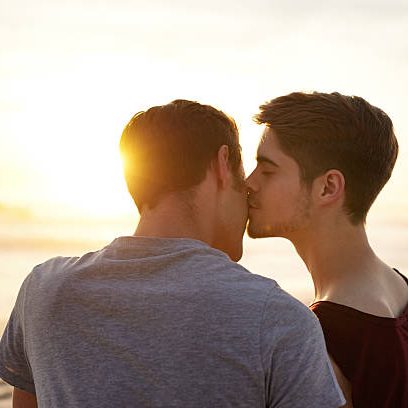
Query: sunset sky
pixel 72 73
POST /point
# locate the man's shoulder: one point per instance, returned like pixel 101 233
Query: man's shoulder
pixel 276 301
pixel 239 275
pixel 292 316
pixel 57 268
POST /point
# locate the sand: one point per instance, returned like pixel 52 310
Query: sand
pixel 5 395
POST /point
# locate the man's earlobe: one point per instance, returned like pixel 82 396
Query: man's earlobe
pixel 331 186
pixel 222 165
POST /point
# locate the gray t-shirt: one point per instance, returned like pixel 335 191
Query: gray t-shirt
pixel 152 322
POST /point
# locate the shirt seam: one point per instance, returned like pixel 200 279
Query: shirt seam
pixel 260 338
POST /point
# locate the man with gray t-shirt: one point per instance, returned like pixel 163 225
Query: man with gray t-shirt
pixel 164 318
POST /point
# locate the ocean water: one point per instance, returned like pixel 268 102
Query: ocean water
pixel 26 243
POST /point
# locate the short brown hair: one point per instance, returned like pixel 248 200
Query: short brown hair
pixel 169 148
pixel 332 131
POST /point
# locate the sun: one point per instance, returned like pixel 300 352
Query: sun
pixel 92 185
pixel 71 158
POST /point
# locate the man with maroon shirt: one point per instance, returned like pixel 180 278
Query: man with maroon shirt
pixel 322 160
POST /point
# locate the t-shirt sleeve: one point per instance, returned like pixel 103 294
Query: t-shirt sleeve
pixel 14 366
pixel 298 373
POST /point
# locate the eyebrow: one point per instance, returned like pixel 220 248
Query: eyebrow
pixel 263 159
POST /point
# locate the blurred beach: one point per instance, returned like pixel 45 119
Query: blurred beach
pixel 5 395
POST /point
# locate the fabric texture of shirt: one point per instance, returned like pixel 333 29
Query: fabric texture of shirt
pixel 154 322
pixel 371 351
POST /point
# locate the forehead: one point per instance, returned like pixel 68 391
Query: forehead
pixel 269 146
pixel 269 150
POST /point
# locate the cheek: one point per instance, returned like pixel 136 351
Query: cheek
pixel 238 210
pixel 279 195
pixel 243 205
pixel 273 192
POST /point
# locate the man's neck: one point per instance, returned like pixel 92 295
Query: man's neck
pixel 337 257
pixel 174 218
pixel 345 270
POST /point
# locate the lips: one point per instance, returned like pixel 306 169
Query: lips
pixel 252 203
pixel 252 206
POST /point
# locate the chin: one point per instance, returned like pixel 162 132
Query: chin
pixel 234 251
pixel 236 255
pixel 254 232
pixel 230 240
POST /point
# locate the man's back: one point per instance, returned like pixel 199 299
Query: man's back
pixel 162 323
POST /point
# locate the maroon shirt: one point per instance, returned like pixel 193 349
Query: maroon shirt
pixel 371 351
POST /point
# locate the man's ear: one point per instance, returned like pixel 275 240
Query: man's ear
pixel 329 187
pixel 221 166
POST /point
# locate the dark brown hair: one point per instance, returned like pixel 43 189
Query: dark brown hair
pixel 332 131
pixel 169 148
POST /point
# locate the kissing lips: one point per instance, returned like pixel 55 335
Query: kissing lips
pixel 253 206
